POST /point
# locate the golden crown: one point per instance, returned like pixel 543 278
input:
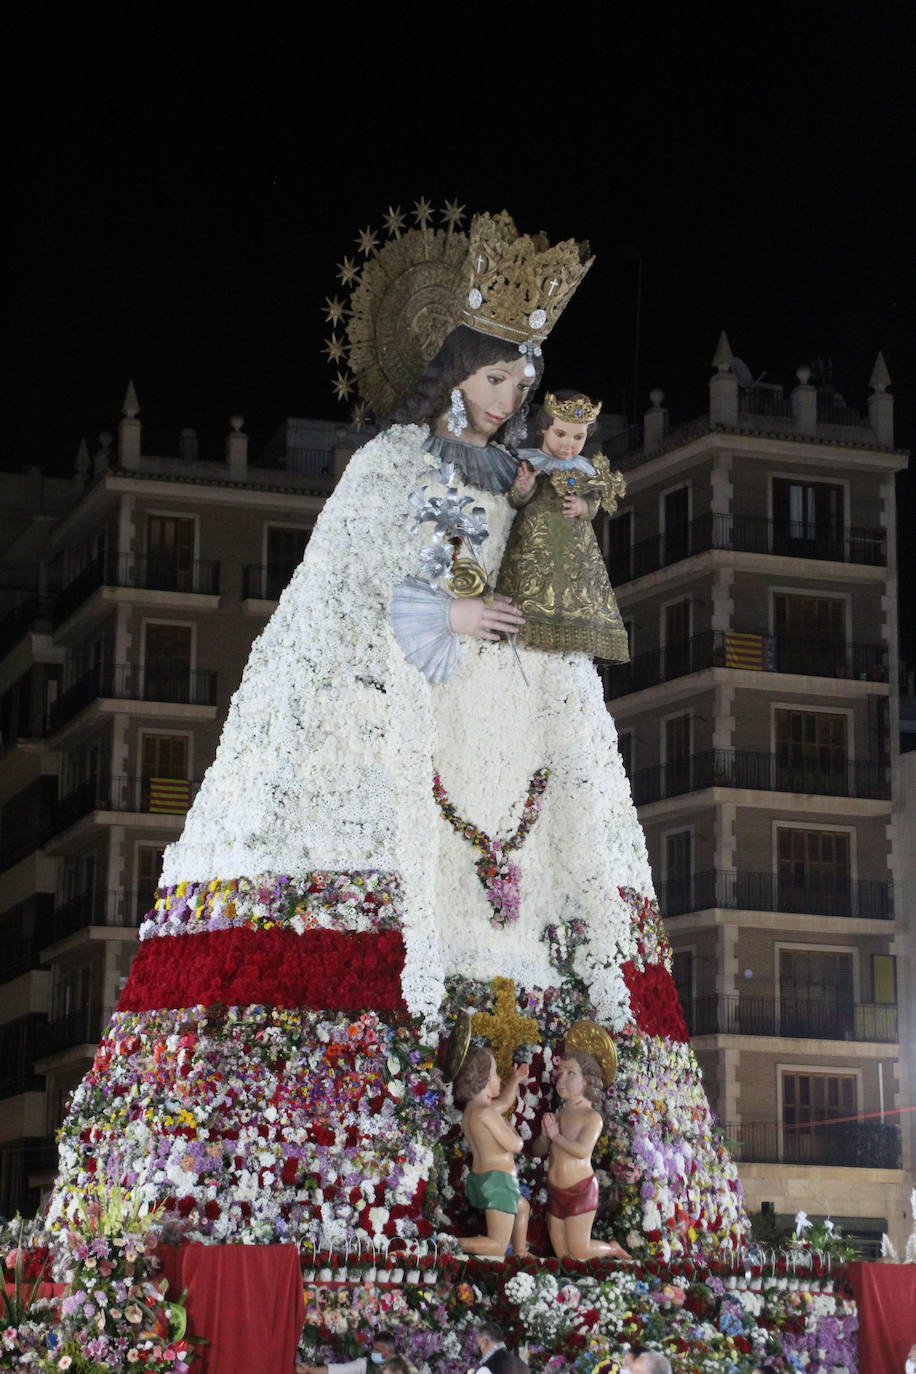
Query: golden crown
pixel 575 408
pixel 517 286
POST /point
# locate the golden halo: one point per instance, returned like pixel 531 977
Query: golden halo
pixel 590 1038
pixel 403 306
pixel 457 1046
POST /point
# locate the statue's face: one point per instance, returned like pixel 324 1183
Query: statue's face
pixel 564 440
pixel 570 1080
pixel 493 393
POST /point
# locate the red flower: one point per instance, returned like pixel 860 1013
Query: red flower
pixel 654 1001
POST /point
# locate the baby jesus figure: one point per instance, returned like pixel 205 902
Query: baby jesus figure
pixel 552 568
pixel 492 1184
pixel 572 1187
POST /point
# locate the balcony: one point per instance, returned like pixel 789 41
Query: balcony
pixel 130 682
pixel 154 572
pixel 752 650
pixel 19 958
pixel 82 1027
pixel 753 771
pixel 116 908
pixel 795 1017
pixel 747 534
pixel 850 1144
pixel 157 796
pixel 737 890
pixel 35 611
pixel 266 583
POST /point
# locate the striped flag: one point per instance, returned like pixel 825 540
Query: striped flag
pixel 749 651
pixel 169 794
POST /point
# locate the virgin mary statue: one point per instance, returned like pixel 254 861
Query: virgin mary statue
pixel 408 815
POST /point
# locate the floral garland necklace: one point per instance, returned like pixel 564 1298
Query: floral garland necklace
pixel 499 878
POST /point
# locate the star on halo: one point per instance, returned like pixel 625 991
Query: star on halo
pixel 394 221
pixel 422 212
pixel 347 271
pixel 343 385
pixel 366 241
pixel 335 349
pixel 334 310
pixel 453 214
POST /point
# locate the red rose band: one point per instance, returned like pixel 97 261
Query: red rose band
pixel 324 970
pixel 321 970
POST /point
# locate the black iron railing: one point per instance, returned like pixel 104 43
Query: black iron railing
pixel 739 890
pixel 104 908
pixel 855 1144
pixel 748 534
pixel 130 682
pixel 161 572
pixel 752 650
pixel 796 1017
pixel 81 1027
pixel 748 769
pixel 267 583
pixel 160 796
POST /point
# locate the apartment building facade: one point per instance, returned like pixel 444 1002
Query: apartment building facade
pixel 753 560
pixel 129 599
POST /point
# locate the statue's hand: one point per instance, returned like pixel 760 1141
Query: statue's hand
pixel 574 507
pixel 524 478
pixel 521 1073
pixel 471 615
pixel 551 1125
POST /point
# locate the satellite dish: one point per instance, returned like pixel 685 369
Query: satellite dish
pixel 746 379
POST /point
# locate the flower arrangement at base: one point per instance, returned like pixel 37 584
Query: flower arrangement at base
pixel 112 1314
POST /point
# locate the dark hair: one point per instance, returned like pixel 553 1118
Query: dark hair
pixel 543 418
pixel 473 1074
pixel 397 1364
pixel 591 1073
pixel 462 354
pixel 491 1331
pixel 384 1338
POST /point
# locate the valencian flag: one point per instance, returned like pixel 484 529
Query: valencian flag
pixel 169 794
pixel 750 651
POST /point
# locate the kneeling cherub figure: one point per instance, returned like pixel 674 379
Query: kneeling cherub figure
pixel 492 1184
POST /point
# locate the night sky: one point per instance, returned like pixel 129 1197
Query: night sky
pixel 179 199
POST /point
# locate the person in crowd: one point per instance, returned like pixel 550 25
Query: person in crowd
pixel 383 1347
pixel 652 1362
pixel 494 1357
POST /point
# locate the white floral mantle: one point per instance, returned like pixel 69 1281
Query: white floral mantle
pixel 327 757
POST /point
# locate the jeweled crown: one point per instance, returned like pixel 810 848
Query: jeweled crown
pixel 574 408
pixel 517 286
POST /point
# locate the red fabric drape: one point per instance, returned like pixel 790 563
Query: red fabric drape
pixel 245 1299
pixel 886 1298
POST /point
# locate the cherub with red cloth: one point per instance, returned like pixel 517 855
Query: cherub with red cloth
pixel 572 1186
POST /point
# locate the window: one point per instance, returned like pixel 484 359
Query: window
pixel 164 782
pixel 811 752
pixel 167 660
pixel 810 1101
pixel 170 553
pixel 620 547
pixel 285 548
pixel 149 867
pixel 677 755
pixel 816 993
pixel 677 639
pixel 676 517
pixel 813 871
pixel 807 519
pixel 679 872
pixel 810 634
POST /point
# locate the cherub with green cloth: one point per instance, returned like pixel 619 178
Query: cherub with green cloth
pixel 492 1184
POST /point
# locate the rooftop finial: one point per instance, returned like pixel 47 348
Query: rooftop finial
pixel 722 358
pixel 82 458
pixel 880 378
pixel 130 406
